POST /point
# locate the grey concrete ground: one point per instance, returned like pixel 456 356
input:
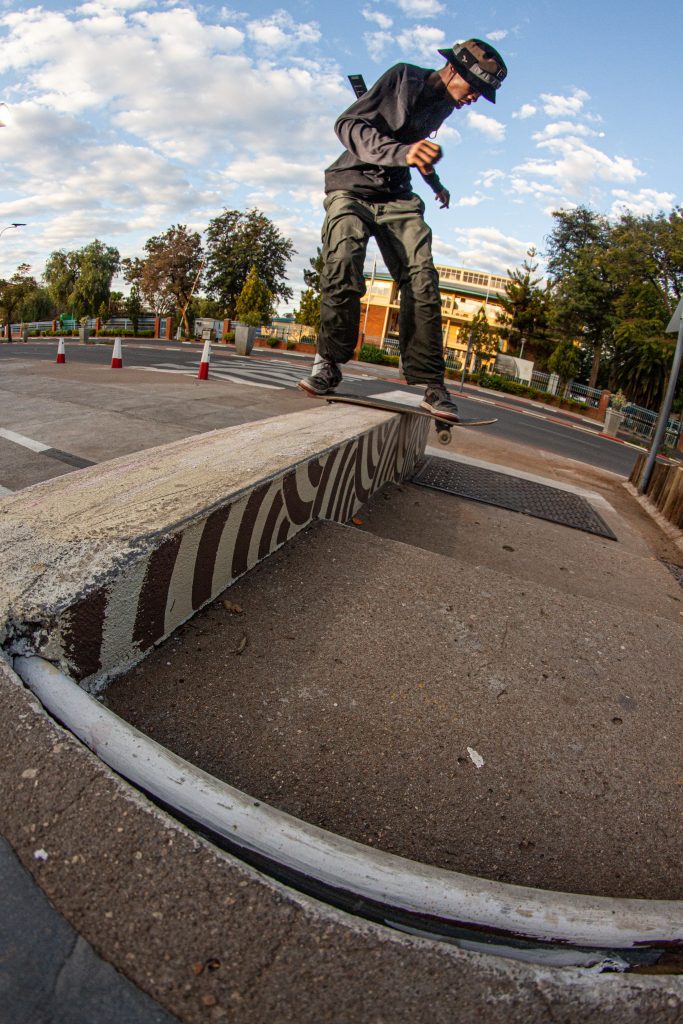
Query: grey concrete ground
pixel 48 973
pixel 210 939
pixel 91 414
pixel 371 665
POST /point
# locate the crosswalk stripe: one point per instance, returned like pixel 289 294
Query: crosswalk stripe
pixel 25 442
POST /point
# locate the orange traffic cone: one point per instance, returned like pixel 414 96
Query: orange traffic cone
pixel 61 355
pixel 204 364
pixel 117 355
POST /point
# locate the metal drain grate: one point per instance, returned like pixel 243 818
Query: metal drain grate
pixel 511 492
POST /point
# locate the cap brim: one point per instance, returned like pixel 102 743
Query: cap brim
pixel 484 90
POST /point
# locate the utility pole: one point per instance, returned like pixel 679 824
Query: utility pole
pixel 675 324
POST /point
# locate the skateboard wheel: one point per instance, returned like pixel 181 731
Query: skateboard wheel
pixel 444 436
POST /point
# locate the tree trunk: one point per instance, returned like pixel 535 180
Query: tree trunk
pixel 595 368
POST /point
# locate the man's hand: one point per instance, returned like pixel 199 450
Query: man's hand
pixel 423 155
pixel 444 197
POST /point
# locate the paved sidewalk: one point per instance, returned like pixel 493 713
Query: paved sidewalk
pixel 48 973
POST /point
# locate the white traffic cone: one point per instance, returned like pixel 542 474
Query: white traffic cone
pixel 61 354
pixel 206 359
pixel 117 355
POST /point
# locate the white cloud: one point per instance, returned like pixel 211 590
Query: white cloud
pixel 496 36
pixel 171 130
pixel 524 187
pixel 377 43
pixel 488 178
pixel 557 128
pixel 483 248
pixel 383 20
pixel 494 130
pixel 644 203
pixel 421 40
pixel 564 106
pixel 273 171
pixel 420 8
pixel 281 32
pixel 578 165
pixel 525 111
pixel 447 133
pixel 474 200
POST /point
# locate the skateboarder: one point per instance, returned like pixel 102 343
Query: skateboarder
pixel 368 193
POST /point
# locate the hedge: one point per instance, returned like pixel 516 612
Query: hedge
pixel 372 354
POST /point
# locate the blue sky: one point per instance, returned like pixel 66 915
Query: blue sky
pixel 123 117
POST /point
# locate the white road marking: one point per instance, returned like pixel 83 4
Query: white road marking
pixel 25 442
pixel 401 397
pixel 217 375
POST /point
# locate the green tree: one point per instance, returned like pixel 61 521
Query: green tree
pixel 565 362
pixel 133 306
pixel 235 243
pixel 524 319
pixel 80 281
pixel 255 302
pixel 582 287
pixel 312 275
pixel 169 273
pixel 308 312
pixel 484 338
pixel 15 293
pixel 61 271
pixel 646 265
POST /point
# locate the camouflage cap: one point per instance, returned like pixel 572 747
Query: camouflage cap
pixel 479 64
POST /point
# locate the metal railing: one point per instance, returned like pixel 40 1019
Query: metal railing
pixel 642 423
pixel 582 393
pixel 391 346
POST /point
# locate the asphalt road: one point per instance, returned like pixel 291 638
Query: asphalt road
pixel 518 421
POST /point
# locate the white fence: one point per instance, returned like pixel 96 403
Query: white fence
pixel 146 324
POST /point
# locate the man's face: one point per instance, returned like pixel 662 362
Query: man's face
pixel 460 91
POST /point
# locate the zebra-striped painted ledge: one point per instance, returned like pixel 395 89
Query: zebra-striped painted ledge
pixel 101 565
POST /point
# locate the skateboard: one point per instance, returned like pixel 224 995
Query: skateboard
pixel 391 403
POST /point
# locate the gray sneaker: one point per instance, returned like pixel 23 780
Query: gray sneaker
pixel 437 400
pixel 325 378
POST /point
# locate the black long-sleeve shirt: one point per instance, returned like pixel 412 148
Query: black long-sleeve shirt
pixel 377 131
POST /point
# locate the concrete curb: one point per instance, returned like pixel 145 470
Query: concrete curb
pixel 101 567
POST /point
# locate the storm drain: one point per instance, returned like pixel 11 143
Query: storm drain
pixel 511 492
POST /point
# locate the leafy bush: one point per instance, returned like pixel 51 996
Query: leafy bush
pixel 229 337
pixel 272 342
pixel 514 387
pixel 291 345
pixel 372 354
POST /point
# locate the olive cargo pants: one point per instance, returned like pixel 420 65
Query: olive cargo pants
pixel 405 243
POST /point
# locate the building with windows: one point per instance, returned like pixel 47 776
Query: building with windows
pixel 464 293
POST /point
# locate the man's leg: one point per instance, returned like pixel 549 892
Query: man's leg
pixel 346 230
pixel 405 242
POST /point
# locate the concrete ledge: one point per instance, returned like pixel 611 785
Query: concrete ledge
pixel 101 565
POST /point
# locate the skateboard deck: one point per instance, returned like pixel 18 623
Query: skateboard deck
pixel 392 403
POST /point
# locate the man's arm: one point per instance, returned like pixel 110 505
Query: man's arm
pixel 367 128
pixel 441 193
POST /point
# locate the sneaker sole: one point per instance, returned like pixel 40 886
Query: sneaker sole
pixel 440 414
pixel 305 386
pixel 311 391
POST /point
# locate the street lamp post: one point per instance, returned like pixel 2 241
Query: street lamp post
pixel 14 224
